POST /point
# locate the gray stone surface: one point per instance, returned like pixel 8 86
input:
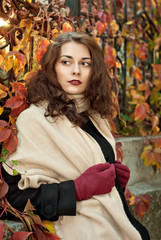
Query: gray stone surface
pixel 16 226
pixel 132 148
pixel 152 219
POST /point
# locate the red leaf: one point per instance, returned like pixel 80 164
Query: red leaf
pixel 3 123
pixel 21 235
pixel 104 17
pixel 140 209
pixel 14 102
pixel 15 112
pixel 11 143
pixel 19 88
pixel 3 188
pixel 101 27
pixel 4 134
pixel 38 234
pixel 1 230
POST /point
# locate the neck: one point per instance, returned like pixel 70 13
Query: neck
pixel 80 101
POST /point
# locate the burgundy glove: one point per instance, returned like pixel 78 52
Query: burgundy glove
pixel 123 172
pixel 96 180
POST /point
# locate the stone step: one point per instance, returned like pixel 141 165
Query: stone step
pixel 152 219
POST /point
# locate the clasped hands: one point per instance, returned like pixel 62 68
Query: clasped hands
pixel 100 179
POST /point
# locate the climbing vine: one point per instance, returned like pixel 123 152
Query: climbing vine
pixel 30 27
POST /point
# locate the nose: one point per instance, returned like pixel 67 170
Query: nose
pixel 76 69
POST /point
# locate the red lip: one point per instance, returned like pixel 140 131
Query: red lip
pixel 75 82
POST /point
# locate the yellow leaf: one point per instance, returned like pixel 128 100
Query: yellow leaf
pixel 49 225
pixel 1 110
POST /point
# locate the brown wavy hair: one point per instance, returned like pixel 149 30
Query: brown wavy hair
pixel 46 87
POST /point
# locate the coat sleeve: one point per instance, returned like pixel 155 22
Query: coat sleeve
pixel 49 200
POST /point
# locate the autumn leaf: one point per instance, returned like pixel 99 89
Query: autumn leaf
pixel 30 74
pixel 21 235
pixel 19 62
pixel 10 143
pixel 29 207
pixel 4 134
pixel 137 74
pixel 101 27
pixel 3 123
pixel 3 94
pixel 119 151
pixel 16 111
pixel 3 188
pixel 49 225
pixel 159 141
pixel 141 51
pixel 67 27
pixel 142 205
pixel 104 16
pixel 19 88
pixel 14 102
pixel 110 56
pixel 43 46
pixel 50 236
pixel 141 111
pixel 1 230
pixel 114 27
pixel 151 156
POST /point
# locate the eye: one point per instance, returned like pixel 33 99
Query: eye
pixel 65 62
pixel 86 63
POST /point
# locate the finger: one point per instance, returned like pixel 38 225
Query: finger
pixel 122 167
pixel 108 173
pixel 117 161
pixel 102 166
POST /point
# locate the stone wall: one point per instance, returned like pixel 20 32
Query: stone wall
pixel 143 181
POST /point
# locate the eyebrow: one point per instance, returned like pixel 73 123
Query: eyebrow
pixel 84 58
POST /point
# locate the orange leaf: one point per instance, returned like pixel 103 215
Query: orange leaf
pixel 42 49
pixel 137 74
pixel 19 88
pixel 100 27
pixel 10 143
pixel 21 61
pixel 141 111
pixel 4 134
pixel 44 44
pixel 67 27
pixel 14 102
pixel 3 188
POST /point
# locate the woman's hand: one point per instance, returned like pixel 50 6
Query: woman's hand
pixel 96 180
pixel 123 172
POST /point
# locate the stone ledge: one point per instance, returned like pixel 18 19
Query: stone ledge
pixel 132 149
pixel 152 219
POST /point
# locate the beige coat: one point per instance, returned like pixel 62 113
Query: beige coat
pixel 51 152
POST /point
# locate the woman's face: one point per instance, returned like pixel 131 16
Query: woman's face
pixel 73 67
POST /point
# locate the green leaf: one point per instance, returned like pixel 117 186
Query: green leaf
pixel 2 159
pixel 4 152
pixel 15 162
pixel 15 172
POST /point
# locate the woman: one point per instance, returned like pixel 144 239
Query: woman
pixel 66 153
